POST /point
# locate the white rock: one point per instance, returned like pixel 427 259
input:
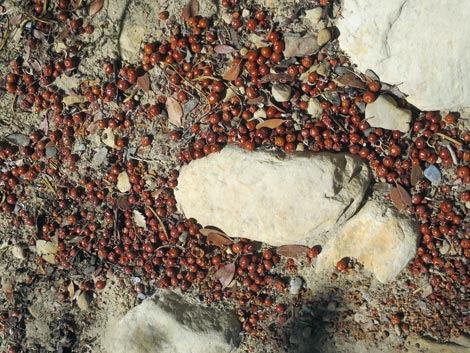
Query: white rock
pixel 384 113
pixel 314 108
pixel 395 38
pixel 314 15
pixel 296 45
pixel 379 237
pixel 169 324
pixel 281 92
pixel 274 198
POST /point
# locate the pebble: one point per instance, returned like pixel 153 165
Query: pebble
pixel 295 285
pixel 324 36
pixel 433 174
pixel 385 113
pixel 281 92
pixel 313 15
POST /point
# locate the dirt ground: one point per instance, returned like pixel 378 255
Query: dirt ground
pixel 54 302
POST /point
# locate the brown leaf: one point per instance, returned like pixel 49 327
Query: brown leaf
pixel 96 6
pixel 219 239
pixel 416 174
pixel 233 72
pixel 256 100
pixel 71 290
pixel 190 10
pixel 144 82
pixel 270 123
pixel 175 111
pixel 225 274
pixel 351 80
pixel 400 197
pixel 224 49
pixel 282 78
pixel 405 196
pixel 292 250
pixel 7 289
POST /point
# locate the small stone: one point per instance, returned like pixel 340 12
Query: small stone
pixel 433 174
pixel 384 113
pixel 295 285
pixel 84 300
pixel 324 36
pixel 314 108
pixel 296 45
pixel 18 252
pixel 281 92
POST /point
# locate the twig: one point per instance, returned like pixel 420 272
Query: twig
pixel 159 221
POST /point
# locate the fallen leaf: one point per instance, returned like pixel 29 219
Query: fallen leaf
pixel 225 274
pixel 219 239
pixel 7 289
pixel 123 203
pixel 175 111
pixel 139 219
pixel 84 300
pixel 292 250
pixel 47 250
pixel 123 183
pixel 224 49
pixel 416 174
pixel 270 123
pixel 144 82
pixel 71 100
pixel 400 197
pixel 281 78
pixel 96 6
pixel 197 252
pixel 71 290
pixel 21 140
pixel 190 10
pixel 44 126
pixel 233 72
pixel 351 80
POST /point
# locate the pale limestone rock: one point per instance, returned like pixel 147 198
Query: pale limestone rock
pixel 274 198
pixel 384 113
pixel 281 92
pixel 296 45
pixel 379 237
pixel 168 323
pixel 314 108
pixel 395 38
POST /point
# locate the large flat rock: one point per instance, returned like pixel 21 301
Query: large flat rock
pixel 379 237
pixel 421 45
pixel 168 323
pixel 273 198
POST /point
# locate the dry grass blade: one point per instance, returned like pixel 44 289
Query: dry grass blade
pixel 144 82
pixel 270 123
pixel 416 174
pixel 233 72
pixel 190 10
pixel 224 49
pixel 96 6
pixel 225 274
pixel 174 110
pixel 292 250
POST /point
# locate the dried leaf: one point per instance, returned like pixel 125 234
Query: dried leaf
pixel 400 197
pixel 96 6
pixel 219 239
pixel 44 247
pixel 44 126
pixel 292 250
pixel 144 82
pixel 225 274
pixel 123 203
pixel 71 290
pixel 416 174
pixel 351 80
pixel 256 100
pixel 123 183
pixel 7 289
pixel 84 300
pixel 21 140
pixel 190 10
pixel 224 49
pixel 276 78
pixel 233 72
pixel 405 196
pixel 70 100
pixel 270 123
pixel 175 111
pixel 139 219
